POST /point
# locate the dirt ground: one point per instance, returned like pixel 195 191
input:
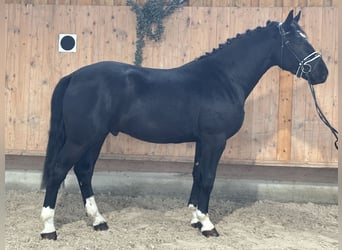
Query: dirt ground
pixel 163 223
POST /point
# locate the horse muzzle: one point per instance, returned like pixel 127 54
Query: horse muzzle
pixel 319 74
pixel 313 69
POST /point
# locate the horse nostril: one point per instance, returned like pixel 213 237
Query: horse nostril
pixel 325 74
pixel 322 72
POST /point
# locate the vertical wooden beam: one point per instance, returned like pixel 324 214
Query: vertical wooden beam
pixel 285 116
pixel 3 35
pixel 340 119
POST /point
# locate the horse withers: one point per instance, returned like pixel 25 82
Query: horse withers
pixel 201 101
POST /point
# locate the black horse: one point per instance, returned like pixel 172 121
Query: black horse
pixel 201 101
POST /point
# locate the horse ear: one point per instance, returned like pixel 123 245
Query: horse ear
pixel 296 18
pixel 289 18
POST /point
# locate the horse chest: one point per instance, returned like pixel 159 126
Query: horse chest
pixel 222 120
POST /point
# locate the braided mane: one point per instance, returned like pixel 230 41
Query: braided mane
pixel 238 36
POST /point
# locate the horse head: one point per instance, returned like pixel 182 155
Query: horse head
pixel 297 55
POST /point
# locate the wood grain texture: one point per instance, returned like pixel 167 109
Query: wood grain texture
pixel 281 124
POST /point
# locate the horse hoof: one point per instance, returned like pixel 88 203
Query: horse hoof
pixel 49 236
pixel 101 227
pixel 197 225
pixel 210 233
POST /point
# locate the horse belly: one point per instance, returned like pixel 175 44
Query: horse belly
pixel 160 126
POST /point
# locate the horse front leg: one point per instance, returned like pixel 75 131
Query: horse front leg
pixel 193 200
pixel 211 152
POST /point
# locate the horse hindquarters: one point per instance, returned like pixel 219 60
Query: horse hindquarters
pixel 69 141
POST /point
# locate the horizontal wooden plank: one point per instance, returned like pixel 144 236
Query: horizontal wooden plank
pixel 193 3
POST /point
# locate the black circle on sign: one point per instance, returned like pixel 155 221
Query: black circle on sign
pixel 67 43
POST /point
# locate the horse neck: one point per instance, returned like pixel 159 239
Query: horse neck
pixel 245 59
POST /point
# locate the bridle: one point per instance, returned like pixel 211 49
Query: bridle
pixel 304 67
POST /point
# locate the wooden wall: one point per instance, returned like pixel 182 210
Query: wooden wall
pixel 281 124
pixel 196 3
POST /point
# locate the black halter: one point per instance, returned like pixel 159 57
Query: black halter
pixel 304 67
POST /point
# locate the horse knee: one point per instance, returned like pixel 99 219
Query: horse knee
pixel 55 181
pixel 196 171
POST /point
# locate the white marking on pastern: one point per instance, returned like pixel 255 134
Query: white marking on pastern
pixel 47 216
pixel 194 218
pixel 207 225
pixel 91 209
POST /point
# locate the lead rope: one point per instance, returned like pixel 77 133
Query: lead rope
pixel 322 116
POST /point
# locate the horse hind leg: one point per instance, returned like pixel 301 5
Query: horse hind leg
pixel 84 171
pixel 58 170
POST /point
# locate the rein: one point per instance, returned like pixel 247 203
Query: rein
pixel 322 116
pixel 304 67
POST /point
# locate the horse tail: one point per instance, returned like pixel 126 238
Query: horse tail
pixel 57 135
